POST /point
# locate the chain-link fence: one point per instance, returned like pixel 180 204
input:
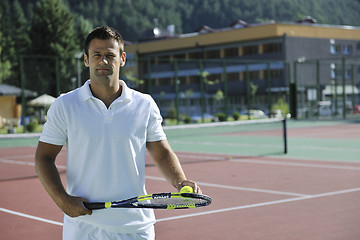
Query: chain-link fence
pixel 327 88
pixel 209 88
pixel 50 75
pixel 197 90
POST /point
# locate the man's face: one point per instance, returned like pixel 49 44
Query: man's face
pixel 104 59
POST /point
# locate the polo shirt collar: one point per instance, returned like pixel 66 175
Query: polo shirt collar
pixel 86 94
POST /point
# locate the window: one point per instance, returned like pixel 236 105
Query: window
pixel 272 48
pixel 348 74
pixel 163 59
pixel 335 49
pixel 254 75
pixel 180 56
pixel 250 50
pixel 274 73
pixel 194 80
pixel 181 80
pixel 231 52
pixel 163 81
pixel 195 55
pixel 212 54
pixel 347 50
pixel 232 77
pixel 213 78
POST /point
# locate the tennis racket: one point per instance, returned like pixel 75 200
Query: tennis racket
pixel 156 201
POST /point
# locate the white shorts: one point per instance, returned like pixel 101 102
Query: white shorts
pixel 78 230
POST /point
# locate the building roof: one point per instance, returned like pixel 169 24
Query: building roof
pixel 9 90
pixel 240 31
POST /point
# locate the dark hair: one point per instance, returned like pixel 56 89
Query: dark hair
pixel 104 33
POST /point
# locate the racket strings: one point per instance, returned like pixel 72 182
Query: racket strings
pixel 174 201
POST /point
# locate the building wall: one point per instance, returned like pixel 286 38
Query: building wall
pixel 8 107
pixel 271 50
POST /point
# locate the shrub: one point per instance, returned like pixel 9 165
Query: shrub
pixel 32 126
pixel 236 116
pixel 187 119
pixel 221 116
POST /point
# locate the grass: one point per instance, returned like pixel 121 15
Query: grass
pixel 20 129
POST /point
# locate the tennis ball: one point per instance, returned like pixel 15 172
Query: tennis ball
pixel 186 189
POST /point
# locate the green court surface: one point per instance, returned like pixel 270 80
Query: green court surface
pixel 259 139
pixel 333 144
pixel 324 146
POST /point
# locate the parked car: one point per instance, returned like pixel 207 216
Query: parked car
pixel 197 117
pixel 253 113
pixel 357 109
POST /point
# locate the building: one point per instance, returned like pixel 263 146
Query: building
pixel 244 65
pixel 10 107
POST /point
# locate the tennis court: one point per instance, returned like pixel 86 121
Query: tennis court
pixel 258 192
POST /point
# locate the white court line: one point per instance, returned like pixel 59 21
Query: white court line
pixel 301 196
pixel 313 165
pixel 332 166
pixel 303 147
pixel 207 212
pixel 19 156
pixel 234 159
pixel 260 204
pixel 31 217
pixel 238 188
pixel 233 144
pixel 25 163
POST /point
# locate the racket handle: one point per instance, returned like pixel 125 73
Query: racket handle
pixel 94 205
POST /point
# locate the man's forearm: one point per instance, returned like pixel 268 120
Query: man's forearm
pixel 50 178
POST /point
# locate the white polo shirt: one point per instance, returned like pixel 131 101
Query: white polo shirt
pixel 106 150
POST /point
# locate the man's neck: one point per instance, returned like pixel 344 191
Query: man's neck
pixel 107 93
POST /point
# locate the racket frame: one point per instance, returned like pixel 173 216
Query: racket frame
pixel 140 202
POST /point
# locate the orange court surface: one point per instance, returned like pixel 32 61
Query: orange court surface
pixel 310 193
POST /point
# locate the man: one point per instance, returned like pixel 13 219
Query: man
pixel 107 128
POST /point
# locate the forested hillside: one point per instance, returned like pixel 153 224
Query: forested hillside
pixel 58 27
pixel 134 17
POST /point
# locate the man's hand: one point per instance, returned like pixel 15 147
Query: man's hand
pixel 74 206
pixel 190 183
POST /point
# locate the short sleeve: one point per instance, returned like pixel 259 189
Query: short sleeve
pixel 54 131
pixel 155 130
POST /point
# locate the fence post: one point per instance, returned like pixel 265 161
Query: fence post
pixel 226 93
pixel 343 87
pixel 293 89
pixel 23 105
pixel 149 75
pixel 248 90
pixel 176 91
pixel 57 72
pixel 269 88
pixel 318 90
pixel 335 89
pixel 352 86
pixel 202 97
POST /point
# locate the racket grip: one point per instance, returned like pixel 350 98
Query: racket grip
pixel 94 205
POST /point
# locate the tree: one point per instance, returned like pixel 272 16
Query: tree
pixel 18 40
pixel 52 30
pixel 4 63
pixel 53 47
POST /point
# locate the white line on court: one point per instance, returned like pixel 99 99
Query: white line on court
pixel 25 163
pixel 300 196
pixel 234 159
pixel 233 144
pixel 239 188
pixel 260 204
pixel 207 212
pixel 31 217
pixel 313 165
